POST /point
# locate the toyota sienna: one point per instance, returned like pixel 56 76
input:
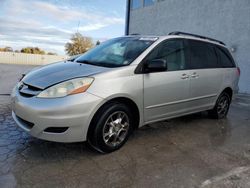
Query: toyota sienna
pixel 125 83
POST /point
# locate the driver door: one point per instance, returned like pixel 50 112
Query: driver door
pixel 166 93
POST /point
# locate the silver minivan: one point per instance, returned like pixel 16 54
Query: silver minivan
pixel 123 84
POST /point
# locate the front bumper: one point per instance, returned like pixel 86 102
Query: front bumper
pixel 36 115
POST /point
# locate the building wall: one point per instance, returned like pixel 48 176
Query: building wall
pixel 226 20
pixel 29 59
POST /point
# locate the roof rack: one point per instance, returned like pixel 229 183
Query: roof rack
pixel 198 36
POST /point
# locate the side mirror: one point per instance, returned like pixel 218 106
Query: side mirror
pixel 156 65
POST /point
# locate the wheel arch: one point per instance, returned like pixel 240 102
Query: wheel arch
pixel 125 100
pixel 214 111
pixel 229 91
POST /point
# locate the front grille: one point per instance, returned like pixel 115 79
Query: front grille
pixel 29 91
pixel 25 123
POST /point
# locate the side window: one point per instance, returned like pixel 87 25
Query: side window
pixel 173 52
pixel 202 55
pixel 225 59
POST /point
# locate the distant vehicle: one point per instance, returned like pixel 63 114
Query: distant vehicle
pixel 125 83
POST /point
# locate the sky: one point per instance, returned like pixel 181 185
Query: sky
pixel 49 24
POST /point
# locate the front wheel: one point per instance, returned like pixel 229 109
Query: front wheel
pixel 221 107
pixel 110 128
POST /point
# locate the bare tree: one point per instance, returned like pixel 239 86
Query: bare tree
pixel 78 45
pixel 6 49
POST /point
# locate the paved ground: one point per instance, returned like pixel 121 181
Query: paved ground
pixel 10 74
pixel 192 151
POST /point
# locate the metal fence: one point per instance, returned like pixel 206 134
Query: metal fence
pixel 29 59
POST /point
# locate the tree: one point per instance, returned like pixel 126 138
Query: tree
pixel 51 53
pixel 32 50
pixel 28 50
pixel 6 49
pixel 78 45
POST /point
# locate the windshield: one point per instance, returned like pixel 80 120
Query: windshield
pixel 116 52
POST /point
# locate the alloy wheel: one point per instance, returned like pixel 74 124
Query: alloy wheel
pixel 223 105
pixel 116 128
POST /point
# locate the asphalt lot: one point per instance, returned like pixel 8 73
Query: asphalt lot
pixel 10 74
pixel 191 151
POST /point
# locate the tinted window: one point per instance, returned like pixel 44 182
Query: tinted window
pixel 148 2
pixel 225 58
pixel 202 55
pixel 172 51
pixel 136 4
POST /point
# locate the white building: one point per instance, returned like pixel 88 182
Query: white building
pixel 225 20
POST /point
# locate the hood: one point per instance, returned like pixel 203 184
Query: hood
pixel 58 72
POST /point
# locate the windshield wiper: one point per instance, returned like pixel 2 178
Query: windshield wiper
pixel 85 62
pixel 100 64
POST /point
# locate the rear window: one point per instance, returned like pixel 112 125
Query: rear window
pixel 202 55
pixel 226 60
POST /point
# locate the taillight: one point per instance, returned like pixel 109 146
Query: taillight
pixel 238 71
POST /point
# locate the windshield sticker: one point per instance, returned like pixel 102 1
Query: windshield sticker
pixel 148 38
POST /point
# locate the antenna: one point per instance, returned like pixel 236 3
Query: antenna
pixel 78 26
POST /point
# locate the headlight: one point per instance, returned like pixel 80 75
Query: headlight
pixel 70 87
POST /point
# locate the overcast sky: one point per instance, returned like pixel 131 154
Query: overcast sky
pixel 48 24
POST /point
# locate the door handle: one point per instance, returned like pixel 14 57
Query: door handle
pixel 194 75
pixel 184 76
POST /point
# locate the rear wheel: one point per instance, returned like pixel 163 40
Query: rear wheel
pixel 110 127
pixel 221 107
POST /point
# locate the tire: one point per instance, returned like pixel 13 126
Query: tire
pixel 221 107
pixel 110 128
